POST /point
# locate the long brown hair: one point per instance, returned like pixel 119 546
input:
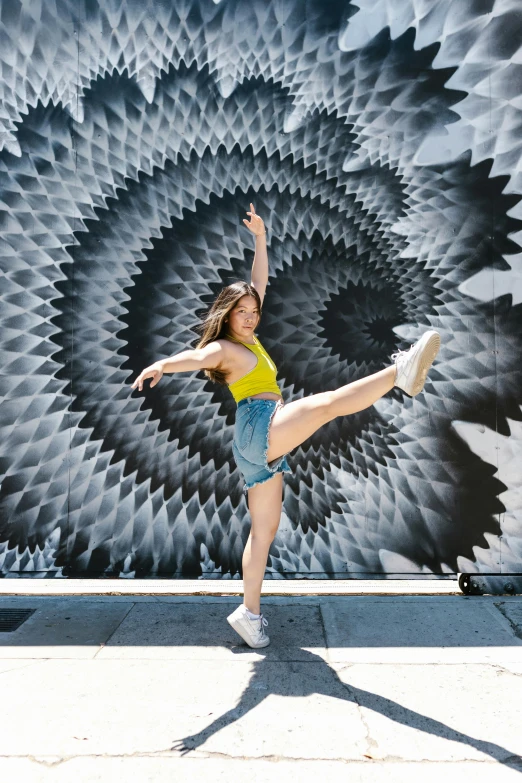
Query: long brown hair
pixel 214 327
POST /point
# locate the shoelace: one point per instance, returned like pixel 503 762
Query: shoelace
pixel 262 625
pixel 397 355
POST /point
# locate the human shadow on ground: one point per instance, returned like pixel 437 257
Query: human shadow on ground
pixel 263 683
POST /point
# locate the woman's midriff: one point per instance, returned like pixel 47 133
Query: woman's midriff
pixel 266 396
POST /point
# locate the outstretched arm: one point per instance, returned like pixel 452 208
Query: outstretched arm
pixel 260 266
pixel 186 361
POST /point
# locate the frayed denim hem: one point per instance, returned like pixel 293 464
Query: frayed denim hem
pixel 279 469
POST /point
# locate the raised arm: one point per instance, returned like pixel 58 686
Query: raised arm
pixel 210 355
pixel 260 266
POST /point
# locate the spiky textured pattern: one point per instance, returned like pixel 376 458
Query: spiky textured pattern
pixel 381 143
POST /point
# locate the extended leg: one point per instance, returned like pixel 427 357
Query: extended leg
pixel 295 422
pixel 264 502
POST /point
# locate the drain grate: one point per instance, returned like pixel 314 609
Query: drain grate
pixel 11 619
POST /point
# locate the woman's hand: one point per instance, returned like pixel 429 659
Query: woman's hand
pixel 256 225
pixel 155 371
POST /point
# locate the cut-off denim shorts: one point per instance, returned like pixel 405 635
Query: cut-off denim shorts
pixel 250 444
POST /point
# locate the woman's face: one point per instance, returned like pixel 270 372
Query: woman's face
pixel 243 319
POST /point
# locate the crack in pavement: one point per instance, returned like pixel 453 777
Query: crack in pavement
pixel 27 665
pixel 53 761
pixel 514 626
pixel 371 743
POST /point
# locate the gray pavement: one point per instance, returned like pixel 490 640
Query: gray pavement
pixel 358 688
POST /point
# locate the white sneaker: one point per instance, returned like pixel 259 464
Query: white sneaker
pixel 413 365
pixel 251 631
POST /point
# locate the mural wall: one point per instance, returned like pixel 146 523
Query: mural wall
pixel 381 141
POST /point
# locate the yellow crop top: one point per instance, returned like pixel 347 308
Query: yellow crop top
pixel 261 379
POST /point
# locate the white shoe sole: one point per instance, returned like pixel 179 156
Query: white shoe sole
pixel 238 628
pixel 427 356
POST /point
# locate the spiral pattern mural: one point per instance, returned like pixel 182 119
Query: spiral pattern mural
pixel 380 140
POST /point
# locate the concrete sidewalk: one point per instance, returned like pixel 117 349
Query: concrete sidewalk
pixel 358 688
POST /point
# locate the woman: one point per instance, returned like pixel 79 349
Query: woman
pixel 266 429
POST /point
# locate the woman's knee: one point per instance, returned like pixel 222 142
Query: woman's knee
pixel 264 532
pixel 264 529
pixel 325 406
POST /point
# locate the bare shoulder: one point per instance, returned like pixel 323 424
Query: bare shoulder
pixel 218 353
pixel 222 346
pixel 232 354
pixel 227 349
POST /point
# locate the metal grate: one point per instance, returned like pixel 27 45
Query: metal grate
pixel 11 619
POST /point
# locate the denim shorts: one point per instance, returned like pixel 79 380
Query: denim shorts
pixel 250 444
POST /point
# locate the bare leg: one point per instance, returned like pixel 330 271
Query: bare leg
pixel 294 423
pixel 265 502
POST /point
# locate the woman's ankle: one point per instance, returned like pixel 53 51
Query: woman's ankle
pixel 252 607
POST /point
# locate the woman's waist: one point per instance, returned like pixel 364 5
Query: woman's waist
pixel 270 396
pixel 259 388
pixel 261 396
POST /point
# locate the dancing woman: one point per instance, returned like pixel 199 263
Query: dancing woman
pixel 266 429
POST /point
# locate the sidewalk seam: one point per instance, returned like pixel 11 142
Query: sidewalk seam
pixel 104 644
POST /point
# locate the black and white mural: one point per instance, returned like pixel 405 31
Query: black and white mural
pixel 381 142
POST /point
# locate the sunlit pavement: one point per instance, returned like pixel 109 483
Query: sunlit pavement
pixel 355 687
